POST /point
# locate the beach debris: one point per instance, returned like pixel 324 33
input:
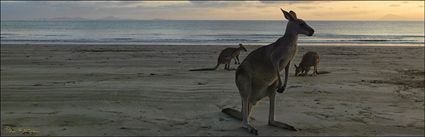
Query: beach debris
pixel 28 131
pixel 38 84
pixel 295 86
pixel 10 129
pixel 202 83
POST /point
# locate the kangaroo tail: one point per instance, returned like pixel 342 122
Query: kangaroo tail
pixel 233 113
pixel 206 69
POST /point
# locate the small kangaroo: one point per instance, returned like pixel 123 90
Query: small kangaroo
pixel 226 57
pixel 309 59
pixel 258 76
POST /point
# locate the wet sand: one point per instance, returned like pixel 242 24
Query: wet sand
pixel 129 90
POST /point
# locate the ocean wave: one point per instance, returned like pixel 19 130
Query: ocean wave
pixel 121 39
pixel 244 40
pixel 241 35
pixel 377 40
pixel 316 35
pixel 367 36
pixel 10 34
pixel 209 41
pixel 54 35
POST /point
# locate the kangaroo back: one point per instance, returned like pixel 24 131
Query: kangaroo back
pixel 309 59
pixel 223 58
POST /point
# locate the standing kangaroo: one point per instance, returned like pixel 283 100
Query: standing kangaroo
pixel 309 59
pixel 236 52
pixel 258 76
pixel 226 57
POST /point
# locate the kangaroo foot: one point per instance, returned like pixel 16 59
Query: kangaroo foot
pixel 282 125
pixel 280 89
pixel 250 129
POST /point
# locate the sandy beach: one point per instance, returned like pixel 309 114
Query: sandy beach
pixel 131 90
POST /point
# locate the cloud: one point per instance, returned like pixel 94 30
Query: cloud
pixel 392 17
pixel 284 2
pixel 216 4
pixel 160 4
pixel 28 10
pixel 339 13
pixel 40 9
pixel 308 7
pixel 16 10
pixel 394 5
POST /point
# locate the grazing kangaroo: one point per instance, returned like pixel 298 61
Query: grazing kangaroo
pixel 226 57
pixel 309 59
pixel 258 76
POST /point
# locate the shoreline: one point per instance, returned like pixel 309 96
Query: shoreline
pixel 126 44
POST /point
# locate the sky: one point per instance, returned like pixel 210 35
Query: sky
pixel 213 10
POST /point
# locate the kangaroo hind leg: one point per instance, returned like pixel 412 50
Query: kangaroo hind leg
pixel 246 111
pixel 226 66
pixel 274 123
pixel 315 70
pixel 244 84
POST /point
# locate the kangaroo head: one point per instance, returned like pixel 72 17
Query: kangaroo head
pixel 242 47
pixel 297 70
pixel 295 25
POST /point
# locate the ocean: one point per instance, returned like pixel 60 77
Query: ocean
pixel 208 32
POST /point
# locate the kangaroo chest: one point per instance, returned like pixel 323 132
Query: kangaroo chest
pixel 286 56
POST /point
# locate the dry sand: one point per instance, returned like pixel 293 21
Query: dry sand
pixel 148 90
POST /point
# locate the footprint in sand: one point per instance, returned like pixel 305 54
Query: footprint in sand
pixel 317 115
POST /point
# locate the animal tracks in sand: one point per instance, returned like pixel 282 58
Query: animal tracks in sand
pixel 348 113
pixel 316 91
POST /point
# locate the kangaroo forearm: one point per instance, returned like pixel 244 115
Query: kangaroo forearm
pixel 279 82
pixel 276 68
pixel 286 74
pixel 286 80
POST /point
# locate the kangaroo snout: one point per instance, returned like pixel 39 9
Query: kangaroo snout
pixel 311 32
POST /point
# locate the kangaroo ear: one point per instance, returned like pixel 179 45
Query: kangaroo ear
pixel 293 14
pixel 287 15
